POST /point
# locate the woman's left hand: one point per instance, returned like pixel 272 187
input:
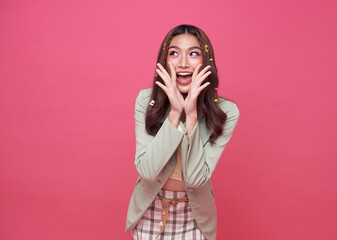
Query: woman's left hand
pixel 190 104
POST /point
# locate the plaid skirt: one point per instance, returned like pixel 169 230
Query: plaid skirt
pixel 180 224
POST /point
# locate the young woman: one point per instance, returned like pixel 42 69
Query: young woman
pixel 182 128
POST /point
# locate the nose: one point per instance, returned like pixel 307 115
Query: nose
pixel 184 63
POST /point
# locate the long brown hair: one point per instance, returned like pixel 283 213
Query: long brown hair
pixel 206 106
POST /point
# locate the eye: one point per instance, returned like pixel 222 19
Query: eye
pixel 173 53
pixel 194 54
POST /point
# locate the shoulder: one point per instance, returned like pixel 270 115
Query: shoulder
pixel 143 99
pixel 145 92
pixel 230 108
pixel 144 95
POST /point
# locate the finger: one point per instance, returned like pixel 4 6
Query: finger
pixel 196 70
pixel 162 86
pixel 202 87
pixel 163 77
pixel 202 78
pixel 163 70
pixel 173 73
pixel 202 72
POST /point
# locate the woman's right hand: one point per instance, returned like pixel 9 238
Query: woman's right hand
pixel 172 92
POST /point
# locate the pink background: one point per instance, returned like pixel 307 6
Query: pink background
pixel 70 74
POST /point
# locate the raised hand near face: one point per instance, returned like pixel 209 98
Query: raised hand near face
pixel 190 103
pixel 170 88
pixel 177 101
pixel 172 92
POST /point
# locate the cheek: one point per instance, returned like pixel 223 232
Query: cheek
pixel 174 61
pixel 195 61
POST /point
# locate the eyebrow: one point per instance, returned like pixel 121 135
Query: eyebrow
pixel 188 48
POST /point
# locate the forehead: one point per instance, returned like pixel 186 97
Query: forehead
pixel 185 41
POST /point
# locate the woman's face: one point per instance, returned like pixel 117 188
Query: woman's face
pixel 185 55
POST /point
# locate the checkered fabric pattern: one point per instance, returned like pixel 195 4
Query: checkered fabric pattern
pixel 180 224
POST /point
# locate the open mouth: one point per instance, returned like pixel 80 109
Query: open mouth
pixel 184 77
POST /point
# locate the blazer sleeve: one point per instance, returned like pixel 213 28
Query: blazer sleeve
pixel 198 161
pixel 153 152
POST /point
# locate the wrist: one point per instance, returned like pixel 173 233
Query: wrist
pixel 191 108
pixel 192 115
pixel 190 123
pixel 174 118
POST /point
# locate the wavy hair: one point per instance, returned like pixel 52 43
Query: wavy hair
pixel 206 106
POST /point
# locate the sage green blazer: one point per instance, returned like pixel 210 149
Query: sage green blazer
pixel 155 161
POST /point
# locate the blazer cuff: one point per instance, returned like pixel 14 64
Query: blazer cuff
pixel 191 136
pixel 174 132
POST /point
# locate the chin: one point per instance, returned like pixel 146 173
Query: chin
pixel 184 89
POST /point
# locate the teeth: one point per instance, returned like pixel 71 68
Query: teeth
pixel 183 74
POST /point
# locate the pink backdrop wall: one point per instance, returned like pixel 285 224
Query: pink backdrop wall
pixel 70 73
